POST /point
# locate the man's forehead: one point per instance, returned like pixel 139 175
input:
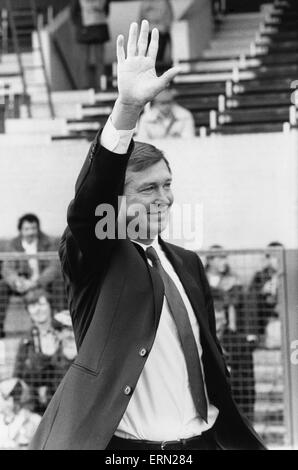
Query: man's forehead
pixel 27 223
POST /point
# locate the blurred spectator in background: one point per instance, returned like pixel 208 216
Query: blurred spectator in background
pixel 221 276
pixel 36 357
pixel 17 422
pixel 238 352
pixel 165 118
pixel 21 276
pixel 92 32
pixel 263 291
pixel 160 15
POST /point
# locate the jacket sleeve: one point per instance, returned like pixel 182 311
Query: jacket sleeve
pixel 49 274
pixel 75 12
pixel 97 191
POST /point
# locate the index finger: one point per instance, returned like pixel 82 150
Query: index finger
pixel 153 46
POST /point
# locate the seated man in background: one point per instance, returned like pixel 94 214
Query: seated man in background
pixel 21 276
pixel 35 361
pixel 164 118
pixel 238 352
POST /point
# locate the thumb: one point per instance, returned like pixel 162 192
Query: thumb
pixel 168 76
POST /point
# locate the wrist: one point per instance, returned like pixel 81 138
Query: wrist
pixel 129 105
pixel 125 115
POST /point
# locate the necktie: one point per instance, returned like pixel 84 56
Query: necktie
pixel 188 343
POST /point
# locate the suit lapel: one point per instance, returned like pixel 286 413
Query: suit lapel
pixel 195 295
pixel 191 287
pixel 157 285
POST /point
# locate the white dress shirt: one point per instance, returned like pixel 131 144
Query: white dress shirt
pixel 161 407
pixel 31 249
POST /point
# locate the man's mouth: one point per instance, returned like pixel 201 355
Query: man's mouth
pixel 159 210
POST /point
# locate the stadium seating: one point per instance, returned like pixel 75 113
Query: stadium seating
pixel 257 97
pixel 241 83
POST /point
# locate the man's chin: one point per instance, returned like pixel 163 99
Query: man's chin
pixel 157 228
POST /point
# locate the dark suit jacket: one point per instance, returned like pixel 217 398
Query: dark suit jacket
pixel 115 299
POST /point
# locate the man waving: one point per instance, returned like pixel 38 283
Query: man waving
pixel 149 373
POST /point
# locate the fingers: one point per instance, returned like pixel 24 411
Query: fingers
pixel 168 76
pixel 132 40
pixel 143 38
pixel 120 49
pixel 153 46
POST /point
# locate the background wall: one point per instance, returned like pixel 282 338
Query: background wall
pixel 247 186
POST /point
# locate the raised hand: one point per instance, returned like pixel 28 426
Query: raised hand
pixel 137 79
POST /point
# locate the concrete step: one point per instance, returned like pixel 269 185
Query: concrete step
pixel 62 110
pixel 234 35
pixel 245 17
pixel 67 97
pixel 96 111
pixel 15 83
pixel 213 77
pixel 236 52
pixel 9 68
pixel 106 96
pixel 30 126
pixel 28 59
pixel 228 44
pixel 83 126
pixel 21 140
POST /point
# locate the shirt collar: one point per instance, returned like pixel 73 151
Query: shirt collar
pixel 154 244
pixel 29 246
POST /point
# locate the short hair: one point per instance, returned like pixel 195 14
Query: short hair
pixel 33 296
pixel 275 245
pixel 144 156
pixel 211 256
pixel 31 218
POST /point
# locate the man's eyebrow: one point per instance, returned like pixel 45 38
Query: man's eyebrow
pixel 155 183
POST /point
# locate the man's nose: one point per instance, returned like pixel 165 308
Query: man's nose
pixel 162 196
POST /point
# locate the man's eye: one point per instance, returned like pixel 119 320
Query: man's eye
pixel 147 189
pixel 167 185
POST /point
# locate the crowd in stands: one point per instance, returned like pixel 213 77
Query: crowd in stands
pixel 246 318
pixel 33 310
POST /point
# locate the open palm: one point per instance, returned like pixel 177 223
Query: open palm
pixel 137 79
